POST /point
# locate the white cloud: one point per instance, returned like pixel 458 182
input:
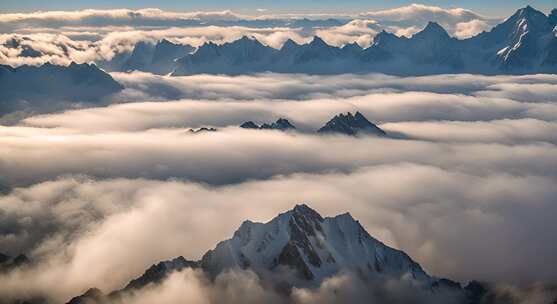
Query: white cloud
pixel 424 13
pixel 471 28
pixel 358 30
pixel 75 223
pixel 462 23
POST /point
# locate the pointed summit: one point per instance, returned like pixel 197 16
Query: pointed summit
pixel 351 125
pixel 305 210
pixel 311 247
pixel 528 19
pixel 432 31
pixel 289 45
pixel 318 42
pixel 384 39
pixel 352 48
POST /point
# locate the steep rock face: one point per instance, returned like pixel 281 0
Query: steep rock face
pixel 306 55
pixel 240 56
pixel 166 52
pixel 550 59
pixel 311 247
pixel 516 45
pixel 552 18
pixel 158 58
pixel 351 125
pixel 140 57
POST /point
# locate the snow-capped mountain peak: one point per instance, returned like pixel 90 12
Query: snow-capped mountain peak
pixel 317 42
pixel 297 248
pixel 303 243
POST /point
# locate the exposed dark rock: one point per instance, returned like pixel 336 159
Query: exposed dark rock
pixel 158 272
pixel 202 130
pixel 351 125
pixel 249 125
pixel 290 256
pixel 91 296
pixel 281 124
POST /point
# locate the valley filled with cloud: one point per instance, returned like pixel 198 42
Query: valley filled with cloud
pixel 469 163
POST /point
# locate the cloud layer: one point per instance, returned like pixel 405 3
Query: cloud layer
pixel 470 162
pixel 100 35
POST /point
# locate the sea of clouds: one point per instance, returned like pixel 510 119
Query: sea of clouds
pixel 470 162
pixel 99 35
pixel 465 183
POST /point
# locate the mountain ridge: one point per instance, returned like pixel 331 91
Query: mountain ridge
pixel 297 248
pixel 521 44
pixel 42 85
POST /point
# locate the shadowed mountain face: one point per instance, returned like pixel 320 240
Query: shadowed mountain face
pixel 310 246
pixel 35 86
pixel 349 124
pixel 523 43
pixel 157 59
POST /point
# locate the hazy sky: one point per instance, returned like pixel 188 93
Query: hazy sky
pixel 493 7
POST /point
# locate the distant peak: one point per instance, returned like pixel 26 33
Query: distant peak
pixel 359 115
pixel 432 29
pixel 289 43
pixel 350 124
pixel 165 43
pixel 530 18
pixel 384 37
pixel 353 45
pixel 247 39
pixel 528 9
pixel 249 125
pixel 317 41
pixel 528 12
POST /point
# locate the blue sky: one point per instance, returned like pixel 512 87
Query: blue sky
pixel 492 7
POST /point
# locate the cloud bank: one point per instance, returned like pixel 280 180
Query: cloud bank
pixel 470 162
pixel 61 37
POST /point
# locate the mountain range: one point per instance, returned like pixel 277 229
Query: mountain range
pixel 155 58
pixel 44 85
pixel 298 248
pixel 526 42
